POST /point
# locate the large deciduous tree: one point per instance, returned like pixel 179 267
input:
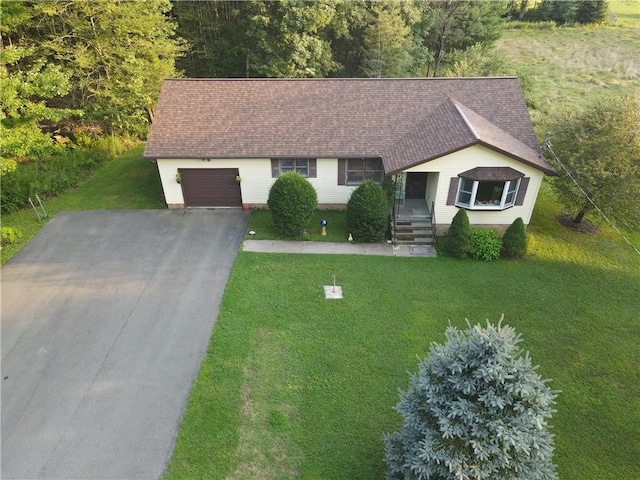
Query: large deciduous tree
pixel 346 36
pixel 116 53
pixel 392 39
pixel 293 38
pixel 460 24
pixel 477 410
pixel 600 147
pixel 29 84
pixel 254 38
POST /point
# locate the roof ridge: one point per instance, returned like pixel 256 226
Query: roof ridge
pixel 432 122
pixel 524 151
pixel 461 107
pixel 456 104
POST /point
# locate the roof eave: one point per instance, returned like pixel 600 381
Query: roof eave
pixel 547 171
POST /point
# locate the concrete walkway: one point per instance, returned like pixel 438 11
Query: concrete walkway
pixel 380 249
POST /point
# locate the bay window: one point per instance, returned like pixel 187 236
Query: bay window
pixel 489 188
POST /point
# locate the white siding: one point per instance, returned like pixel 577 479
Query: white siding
pixel 432 188
pixel 329 192
pixel 256 179
pixel 478 156
pixel 256 182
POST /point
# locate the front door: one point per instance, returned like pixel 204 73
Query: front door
pixel 416 187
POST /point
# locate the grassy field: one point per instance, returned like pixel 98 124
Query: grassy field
pixel 627 11
pixel 297 386
pixel 570 65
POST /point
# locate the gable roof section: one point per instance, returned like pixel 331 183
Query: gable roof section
pixel 401 120
pixel 452 127
pixel 443 132
pixel 494 137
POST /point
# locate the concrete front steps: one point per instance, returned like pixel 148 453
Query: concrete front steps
pixel 413 231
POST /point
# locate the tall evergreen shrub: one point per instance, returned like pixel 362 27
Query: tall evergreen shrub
pixel 477 409
pixel 459 242
pixel 368 213
pixel 514 240
pixel 292 200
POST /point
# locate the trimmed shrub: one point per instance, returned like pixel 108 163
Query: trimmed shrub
pixel 368 213
pixel 486 244
pixel 476 409
pixel 389 186
pixel 292 200
pixel 514 240
pixel 459 242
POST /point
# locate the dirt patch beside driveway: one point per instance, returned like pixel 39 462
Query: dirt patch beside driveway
pixel 106 316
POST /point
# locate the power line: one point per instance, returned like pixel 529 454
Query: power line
pixel 547 143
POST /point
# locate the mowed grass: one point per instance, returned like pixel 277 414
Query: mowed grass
pixel 261 223
pixel 125 182
pixel 298 386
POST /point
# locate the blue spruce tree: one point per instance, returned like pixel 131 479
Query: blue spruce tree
pixel 475 410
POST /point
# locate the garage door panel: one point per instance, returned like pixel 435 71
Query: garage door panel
pixel 211 187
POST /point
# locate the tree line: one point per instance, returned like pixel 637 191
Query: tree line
pixel 340 38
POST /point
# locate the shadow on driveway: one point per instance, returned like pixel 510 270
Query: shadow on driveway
pixel 106 316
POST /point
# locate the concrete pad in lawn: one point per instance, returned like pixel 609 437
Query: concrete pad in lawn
pixel 106 316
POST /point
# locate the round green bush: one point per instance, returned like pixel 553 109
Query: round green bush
pixel 368 213
pixel 486 244
pixel 459 242
pixel 514 240
pixel 292 200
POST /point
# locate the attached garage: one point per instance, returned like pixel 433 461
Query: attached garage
pixel 211 187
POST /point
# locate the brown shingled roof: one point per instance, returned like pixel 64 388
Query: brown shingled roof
pixel 406 121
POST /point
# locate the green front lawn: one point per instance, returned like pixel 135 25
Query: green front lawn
pixel 261 222
pixel 297 386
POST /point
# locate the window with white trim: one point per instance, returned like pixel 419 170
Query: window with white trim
pixel 360 169
pixel 486 194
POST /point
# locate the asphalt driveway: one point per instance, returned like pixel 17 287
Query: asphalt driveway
pixel 106 316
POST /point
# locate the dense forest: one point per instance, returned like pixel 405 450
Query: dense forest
pixel 77 72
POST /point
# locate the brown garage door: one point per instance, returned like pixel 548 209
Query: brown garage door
pixel 211 187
